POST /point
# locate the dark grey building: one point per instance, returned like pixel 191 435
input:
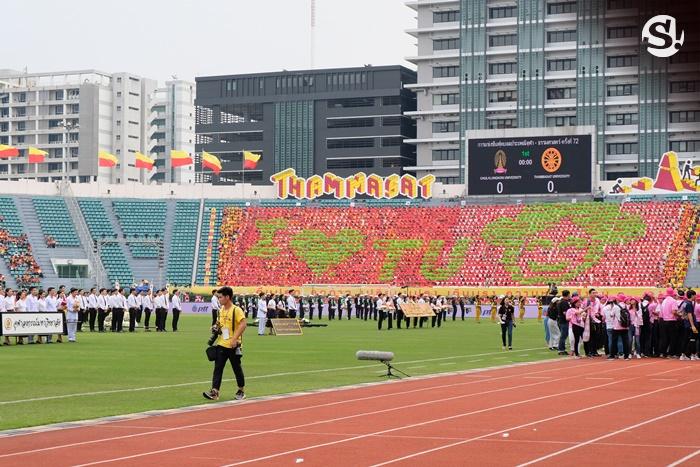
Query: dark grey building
pixel 342 120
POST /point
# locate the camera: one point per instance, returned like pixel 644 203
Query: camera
pixel 215 331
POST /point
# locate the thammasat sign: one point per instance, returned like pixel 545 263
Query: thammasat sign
pixel 31 324
pixel 287 184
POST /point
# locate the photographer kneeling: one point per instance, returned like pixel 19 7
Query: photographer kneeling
pixel 228 339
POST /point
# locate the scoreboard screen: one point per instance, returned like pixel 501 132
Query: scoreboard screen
pixel 529 165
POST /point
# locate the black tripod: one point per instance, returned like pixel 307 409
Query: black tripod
pixel 389 374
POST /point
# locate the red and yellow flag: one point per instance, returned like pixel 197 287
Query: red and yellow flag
pixel 144 162
pixel 8 151
pixel 250 160
pixel 212 162
pixel 180 158
pixel 36 156
pixel 106 159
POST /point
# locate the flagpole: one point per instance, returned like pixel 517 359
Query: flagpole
pixel 243 161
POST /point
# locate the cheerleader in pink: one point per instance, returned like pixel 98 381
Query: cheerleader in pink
pixel 576 318
pixel 636 323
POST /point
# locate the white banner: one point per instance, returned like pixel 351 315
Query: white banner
pixel 31 324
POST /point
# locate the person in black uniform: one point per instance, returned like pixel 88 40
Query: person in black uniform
pixel 331 308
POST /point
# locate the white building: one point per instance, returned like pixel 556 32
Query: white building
pixel 172 127
pixel 75 114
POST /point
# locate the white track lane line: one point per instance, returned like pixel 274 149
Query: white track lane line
pixel 616 432
pixel 428 451
pixel 344 418
pixel 686 458
pixel 278 412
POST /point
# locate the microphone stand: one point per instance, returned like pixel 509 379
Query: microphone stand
pixel 390 367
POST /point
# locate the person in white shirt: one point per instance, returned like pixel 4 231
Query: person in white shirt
pixel 21 307
pixel 262 314
pixel 271 312
pixel 118 307
pixel 147 304
pixel 139 306
pixel 9 305
pixel 161 304
pixel 102 309
pixel 177 308
pixel 132 306
pixel 51 306
pixel 33 307
pixel 214 307
pixel 92 308
pixel 82 302
pixel 292 305
pixel 73 315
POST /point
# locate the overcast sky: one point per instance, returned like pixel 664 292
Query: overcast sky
pixel 187 38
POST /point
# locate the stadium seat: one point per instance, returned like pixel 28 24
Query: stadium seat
pixel 52 224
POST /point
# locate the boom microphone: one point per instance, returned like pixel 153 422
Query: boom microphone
pixel 375 355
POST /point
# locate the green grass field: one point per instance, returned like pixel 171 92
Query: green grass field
pixel 146 371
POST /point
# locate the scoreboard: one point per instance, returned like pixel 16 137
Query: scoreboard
pixel 529 165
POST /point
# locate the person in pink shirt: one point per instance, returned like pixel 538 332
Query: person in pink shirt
pixel 668 317
pixel 576 318
pixel 621 323
pixel 697 318
pixel 651 345
pixel 636 325
pixel 593 308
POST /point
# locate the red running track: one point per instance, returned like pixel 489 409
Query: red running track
pixel 567 412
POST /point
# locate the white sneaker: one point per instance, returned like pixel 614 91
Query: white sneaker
pixel 694 357
pixel 637 356
pixel 684 358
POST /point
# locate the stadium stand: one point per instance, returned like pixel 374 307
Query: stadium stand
pixel 141 220
pixel 578 244
pixel 53 225
pixel 101 230
pixel 183 243
pixel 15 248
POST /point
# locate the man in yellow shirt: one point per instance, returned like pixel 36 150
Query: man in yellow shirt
pixel 230 325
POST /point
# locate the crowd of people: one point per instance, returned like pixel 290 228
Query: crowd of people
pixel 95 309
pixel 663 325
pixel 17 254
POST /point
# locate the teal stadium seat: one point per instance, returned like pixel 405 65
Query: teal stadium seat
pixel 183 242
pixel 51 215
pixel 141 220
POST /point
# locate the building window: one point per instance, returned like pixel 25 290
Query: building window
pixel 686 57
pixel 503 96
pixel 446 44
pixel 241 113
pixel 20 97
pixel 19 139
pixel 21 126
pixel 444 127
pixel 569 120
pixel 620 32
pixel 561 64
pixel 350 163
pixel 560 8
pixel 392 162
pixel 502 123
pixel 623 119
pixel 392 141
pixel 684 116
pixel 449 16
pixel 393 120
pixel 561 93
pixel 623 60
pixel 447 180
pixel 503 68
pixel 622 4
pixel 623 90
pixel 73 93
pixel 202 115
pixel 446 99
pixel 622 148
pixel 503 12
pixel 561 36
pixel 56 138
pixel 349 122
pixel 350 143
pixel 391 100
pixel 686 146
pixel 351 102
pixel 445 154
pixel 685 86
pixel 502 40
pixel 445 71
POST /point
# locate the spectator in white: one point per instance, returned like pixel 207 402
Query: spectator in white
pixel 177 308
pixel 132 306
pixel 214 307
pixel 292 305
pixel 21 307
pixel 33 307
pixel 262 314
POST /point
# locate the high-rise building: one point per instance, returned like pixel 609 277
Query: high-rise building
pixel 73 115
pixel 487 64
pixel 337 120
pixel 172 127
